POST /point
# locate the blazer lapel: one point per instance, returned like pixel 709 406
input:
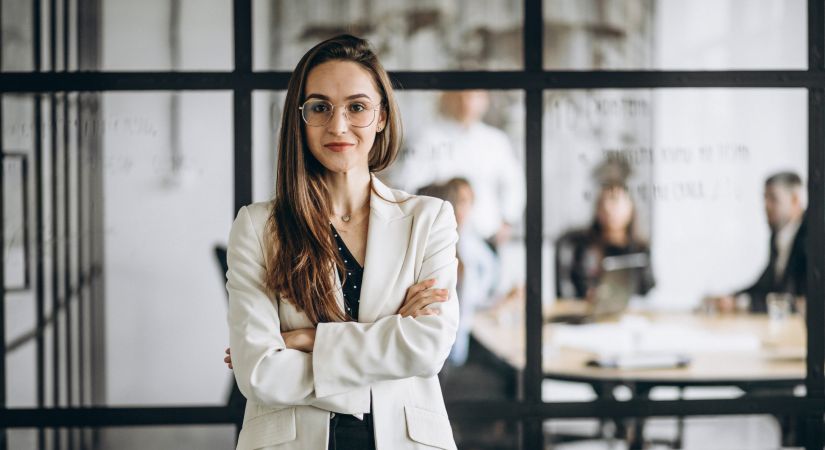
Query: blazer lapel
pixel 387 241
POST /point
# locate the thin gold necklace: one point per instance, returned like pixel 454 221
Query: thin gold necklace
pixel 348 216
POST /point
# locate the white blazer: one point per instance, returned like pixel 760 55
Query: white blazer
pixel 382 360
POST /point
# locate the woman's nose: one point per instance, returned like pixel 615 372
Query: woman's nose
pixel 338 122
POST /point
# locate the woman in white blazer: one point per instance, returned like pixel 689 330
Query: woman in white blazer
pixel 342 301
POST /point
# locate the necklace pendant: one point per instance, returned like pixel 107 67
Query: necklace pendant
pixel 346 218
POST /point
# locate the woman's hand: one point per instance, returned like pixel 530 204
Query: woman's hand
pixel 419 297
pixel 228 358
pixel 302 339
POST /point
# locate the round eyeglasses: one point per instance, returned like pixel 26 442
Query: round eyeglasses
pixel 359 113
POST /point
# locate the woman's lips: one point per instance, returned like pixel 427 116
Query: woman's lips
pixel 338 146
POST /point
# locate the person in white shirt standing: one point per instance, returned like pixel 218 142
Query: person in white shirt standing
pixel 459 144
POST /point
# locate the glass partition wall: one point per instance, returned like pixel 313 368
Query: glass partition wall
pixel 132 133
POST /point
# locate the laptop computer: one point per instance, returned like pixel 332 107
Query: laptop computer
pixel 617 284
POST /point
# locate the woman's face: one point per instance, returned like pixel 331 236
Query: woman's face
pixel 467 107
pixel 338 145
pixel 615 209
pixel 463 204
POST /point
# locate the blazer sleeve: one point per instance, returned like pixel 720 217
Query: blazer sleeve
pixel 348 355
pixel 267 372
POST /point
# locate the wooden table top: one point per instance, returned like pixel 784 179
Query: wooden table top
pixel 778 355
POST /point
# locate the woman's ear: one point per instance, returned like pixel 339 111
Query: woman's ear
pixel 382 120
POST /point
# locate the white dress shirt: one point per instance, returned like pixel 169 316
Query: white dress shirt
pixel 480 153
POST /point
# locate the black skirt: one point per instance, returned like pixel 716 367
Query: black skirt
pixel 347 432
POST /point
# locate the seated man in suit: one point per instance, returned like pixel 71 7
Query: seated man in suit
pixel 787 267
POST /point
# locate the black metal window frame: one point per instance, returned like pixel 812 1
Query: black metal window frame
pixel 533 80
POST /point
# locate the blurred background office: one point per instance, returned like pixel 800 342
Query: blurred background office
pixel 116 204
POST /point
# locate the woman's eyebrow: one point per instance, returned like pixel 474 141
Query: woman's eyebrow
pixel 324 97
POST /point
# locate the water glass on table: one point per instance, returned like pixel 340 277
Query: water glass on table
pixel 780 305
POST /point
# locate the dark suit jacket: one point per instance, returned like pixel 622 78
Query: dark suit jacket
pixel 793 281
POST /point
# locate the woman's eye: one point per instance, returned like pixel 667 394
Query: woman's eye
pixel 320 107
pixel 357 107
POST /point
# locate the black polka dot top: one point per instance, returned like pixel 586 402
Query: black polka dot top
pixel 351 283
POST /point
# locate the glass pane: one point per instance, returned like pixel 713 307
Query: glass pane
pixel 267 109
pixel 168 185
pixel 485 433
pixel 468 147
pixel 18 145
pixel 17 188
pixel 728 432
pixel 17 36
pixel 659 220
pixel 22 438
pixel 206 437
pixel 166 35
pixel 673 34
pixel 212 437
pixel 428 35
pixel 15 191
pixel 146 181
pixel 152 35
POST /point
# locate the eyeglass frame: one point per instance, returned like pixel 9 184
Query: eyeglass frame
pixel 332 113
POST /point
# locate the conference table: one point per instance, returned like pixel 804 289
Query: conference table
pixel 749 351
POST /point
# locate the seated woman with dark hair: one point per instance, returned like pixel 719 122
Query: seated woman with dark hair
pixel 582 256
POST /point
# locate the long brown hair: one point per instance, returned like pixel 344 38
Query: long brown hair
pixel 300 251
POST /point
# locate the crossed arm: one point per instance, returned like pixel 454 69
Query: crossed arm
pixel 416 303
